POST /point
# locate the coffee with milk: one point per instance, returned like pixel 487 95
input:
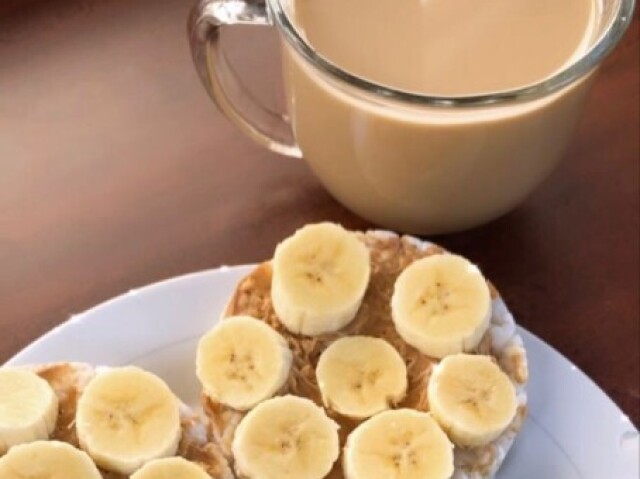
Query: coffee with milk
pixel 427 169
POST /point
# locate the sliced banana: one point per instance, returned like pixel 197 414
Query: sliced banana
pixel 360 376
pixel 28 408
pixel 286 437
pixel 127 417
pixel 170 468
pixel 471 398
pixel 47 460
pixel 320 275
pixel 400 444
pixel 441 305
pixel 242 362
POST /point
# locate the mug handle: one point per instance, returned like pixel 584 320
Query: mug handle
pixel 268 128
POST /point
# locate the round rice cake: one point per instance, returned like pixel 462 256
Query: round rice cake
pixel 390 254
pixel 68 380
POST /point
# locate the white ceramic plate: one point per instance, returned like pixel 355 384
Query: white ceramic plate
pixel 574 430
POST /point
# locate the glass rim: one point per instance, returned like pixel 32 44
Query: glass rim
pixel 569 74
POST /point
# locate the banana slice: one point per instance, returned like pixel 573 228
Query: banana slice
pixel 170 468
pixel 286 437
pixel 320 275
pixel 402 444
pixel 242 362
pixel 360 376
pixel 471 398
pixel 441 305
pixel 127 417
pixel 47 460
pixel 28 408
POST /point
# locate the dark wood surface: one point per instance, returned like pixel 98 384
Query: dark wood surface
pixel 117 171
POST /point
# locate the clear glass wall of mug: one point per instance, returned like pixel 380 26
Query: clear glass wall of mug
pixel 411 162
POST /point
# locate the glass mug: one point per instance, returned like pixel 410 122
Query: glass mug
pixel 410 162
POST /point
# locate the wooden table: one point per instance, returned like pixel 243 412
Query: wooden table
pixel 116 171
